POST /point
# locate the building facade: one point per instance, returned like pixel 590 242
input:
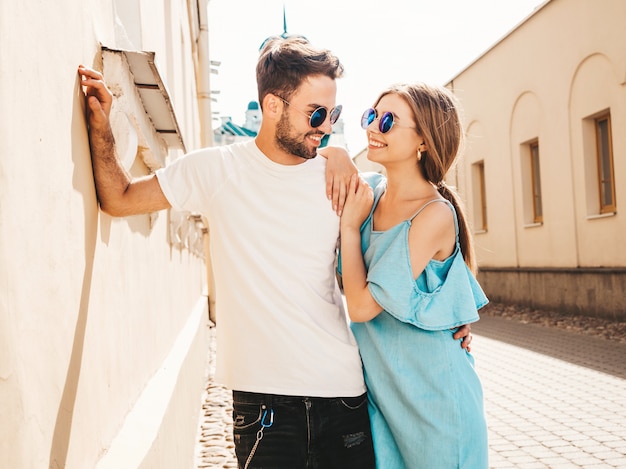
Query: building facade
pixel 103 321
pixel 544 171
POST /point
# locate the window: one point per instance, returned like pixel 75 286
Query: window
pixel 531 183
pixel 604 156
pixel 479 196
pixel 535 183
pixel 599 172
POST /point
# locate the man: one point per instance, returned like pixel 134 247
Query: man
pixel 283 345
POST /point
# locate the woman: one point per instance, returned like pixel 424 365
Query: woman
pixel 407 268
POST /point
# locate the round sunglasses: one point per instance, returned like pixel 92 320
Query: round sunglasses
pixel 385 123
pixel 318 117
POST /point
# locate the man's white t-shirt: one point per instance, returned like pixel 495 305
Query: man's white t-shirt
pixel 281 325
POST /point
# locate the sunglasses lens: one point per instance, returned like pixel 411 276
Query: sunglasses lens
pixel 335 113
pixel 386 122
pixel 368 117
pixel 318 117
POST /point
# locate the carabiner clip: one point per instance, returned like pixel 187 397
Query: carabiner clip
pixel 267 425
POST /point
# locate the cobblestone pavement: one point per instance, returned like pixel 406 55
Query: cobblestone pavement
pixel 555 394
pixel 587 325
pixel 215 447
pixel 554 398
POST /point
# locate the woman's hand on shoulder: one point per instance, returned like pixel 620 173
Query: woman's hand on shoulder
pixel 359 201
pixel 339 169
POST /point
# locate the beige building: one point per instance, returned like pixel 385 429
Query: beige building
pixel 103 321
pixel 544 171
pixel 545 167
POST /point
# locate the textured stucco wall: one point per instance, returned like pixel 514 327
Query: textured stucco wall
pixel 90 306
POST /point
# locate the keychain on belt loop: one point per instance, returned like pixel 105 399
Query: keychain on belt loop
pixel 259 434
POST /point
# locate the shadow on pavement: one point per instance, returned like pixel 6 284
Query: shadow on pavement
pixel 599 354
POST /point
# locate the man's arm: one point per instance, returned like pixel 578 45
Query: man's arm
pixel 464 332
pixel 119 195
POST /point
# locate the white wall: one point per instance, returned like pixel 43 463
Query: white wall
pixel 90 307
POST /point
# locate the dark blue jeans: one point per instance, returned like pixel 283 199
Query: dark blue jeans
pixel 291 432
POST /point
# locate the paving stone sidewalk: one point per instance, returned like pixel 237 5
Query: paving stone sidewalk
pixel 215 447
pixel 554 399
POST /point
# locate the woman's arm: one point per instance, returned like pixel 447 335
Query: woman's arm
pixel 361 305
pixel 339 170
pixel 432 236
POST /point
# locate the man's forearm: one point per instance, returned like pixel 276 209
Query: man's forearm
pixel 118 193
pixel 111 178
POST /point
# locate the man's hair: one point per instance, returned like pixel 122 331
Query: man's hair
pixel 284 63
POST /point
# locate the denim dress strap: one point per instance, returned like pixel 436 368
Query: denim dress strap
pixel 446 201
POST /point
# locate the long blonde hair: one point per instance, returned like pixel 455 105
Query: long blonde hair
pixel 438 121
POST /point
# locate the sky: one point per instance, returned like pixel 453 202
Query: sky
pixel 379 43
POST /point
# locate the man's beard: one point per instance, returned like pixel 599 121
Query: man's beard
pixel 290 144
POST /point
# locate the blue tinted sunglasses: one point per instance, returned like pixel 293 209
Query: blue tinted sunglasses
pixel 386 121
pixel 317 117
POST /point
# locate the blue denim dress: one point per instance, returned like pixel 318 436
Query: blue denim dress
pixel 425 397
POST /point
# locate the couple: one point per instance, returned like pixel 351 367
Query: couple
pixel 284 346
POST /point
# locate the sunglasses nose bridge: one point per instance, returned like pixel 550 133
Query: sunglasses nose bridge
pixel 321 115
pixel 385 121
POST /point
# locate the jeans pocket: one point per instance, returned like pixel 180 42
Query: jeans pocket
pixel 247 417
pixel 354 403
